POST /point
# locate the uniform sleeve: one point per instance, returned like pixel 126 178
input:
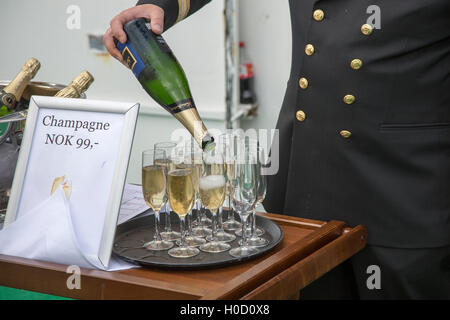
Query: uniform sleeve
pixel 176 10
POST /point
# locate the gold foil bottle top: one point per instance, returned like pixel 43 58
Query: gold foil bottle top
pixel 11 94
pixel 78 85
pixel 31 67
pixel 68 92
pixel 83 81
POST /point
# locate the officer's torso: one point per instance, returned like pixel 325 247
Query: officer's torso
pixel 365 124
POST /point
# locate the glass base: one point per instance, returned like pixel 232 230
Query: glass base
pixel 201 232
pixel 183 252
pixel 192 241
pixel 241 252
pixel 206 222
pixel 170 236
pixel 215 247
pixel 158 245
pixel 248 232
pixel 256 242
pixel 231 225
pixel 222 237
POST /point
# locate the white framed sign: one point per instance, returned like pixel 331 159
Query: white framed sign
pixel 81 148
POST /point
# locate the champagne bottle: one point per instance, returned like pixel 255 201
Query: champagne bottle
pixel 77 87
pixel 162 77
pixel 11 94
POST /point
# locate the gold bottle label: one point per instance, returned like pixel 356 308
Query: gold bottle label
pixel 180 106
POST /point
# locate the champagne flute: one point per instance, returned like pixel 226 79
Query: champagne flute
pixel 251 229
pixel 181 197
pixel 212 193
pixel 221 235
pixel 187 162
pixel 201 228
pixel 245 194
pixel 255 240
pixel 167 147
pixel 154 190
pixel 227 145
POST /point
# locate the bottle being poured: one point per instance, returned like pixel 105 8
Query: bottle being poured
pixel 162 77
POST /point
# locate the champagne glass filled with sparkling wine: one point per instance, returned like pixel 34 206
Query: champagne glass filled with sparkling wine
pixel 154 190
pixel 168 147
pixel 181 197
pixel 193 160
pixel 212 185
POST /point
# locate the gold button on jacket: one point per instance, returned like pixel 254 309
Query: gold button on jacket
pixel 349 99
pixel 303 83
pixel 309 49
pixel 318 15
pixel 300 115
pixel 345 134
pixel 356 64
pixel 366 29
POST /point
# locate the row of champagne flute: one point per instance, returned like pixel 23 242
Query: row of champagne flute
pixel 186 177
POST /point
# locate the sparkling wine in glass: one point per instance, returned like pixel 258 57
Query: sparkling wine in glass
pixel 181 192
pixel 167 147
pixel 154 191
pixel 212 184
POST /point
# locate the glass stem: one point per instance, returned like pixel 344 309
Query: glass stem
pixel 199 214
pixel 214 226
pixel 182 227
pixel 168 227
pixel 219 220
pixel 253 226
pixel 189 223
pixel 244 218
pixel 157 234
pixel 230 210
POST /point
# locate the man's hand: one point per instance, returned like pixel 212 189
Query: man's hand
pixel 151 12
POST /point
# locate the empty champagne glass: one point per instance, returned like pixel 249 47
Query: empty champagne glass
pixel 154 191
pixel 168 233
pixel 227 147
pixel 212 193
pixel 245 194
pixel 255 239
pixel 181 197
pixel 251 229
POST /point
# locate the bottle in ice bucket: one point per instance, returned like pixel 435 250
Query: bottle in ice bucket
pixel 77 87
pixel 160 74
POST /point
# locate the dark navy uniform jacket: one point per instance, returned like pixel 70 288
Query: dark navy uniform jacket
pixel 365 123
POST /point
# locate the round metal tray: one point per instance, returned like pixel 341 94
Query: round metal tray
pixel 131 235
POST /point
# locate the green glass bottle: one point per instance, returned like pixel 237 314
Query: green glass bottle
pixel 161 75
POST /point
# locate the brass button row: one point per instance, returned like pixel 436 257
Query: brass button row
pixel 355 64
